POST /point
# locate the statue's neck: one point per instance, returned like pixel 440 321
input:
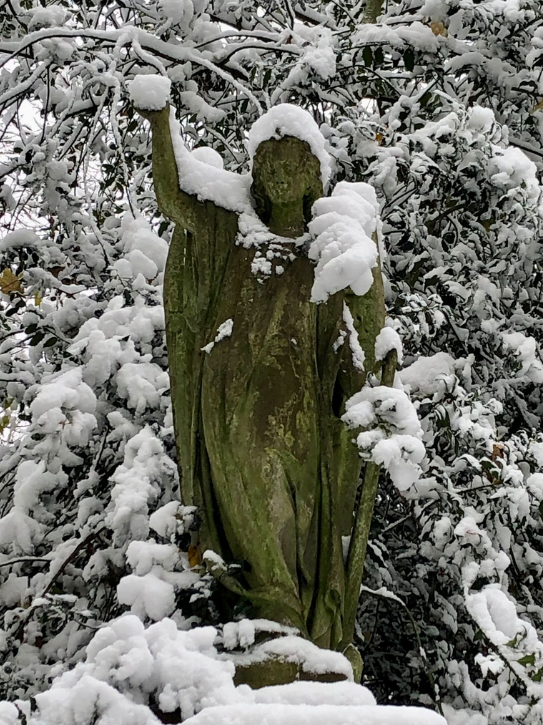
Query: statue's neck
pixel 287 220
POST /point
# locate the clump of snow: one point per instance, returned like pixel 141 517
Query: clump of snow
pixel 177 10
pixel 150 92
pixel 207 181
pixel 393 432
pixel 481 119
pixel 208 156
pixel 286 119
pixel 49 17
pixel 426 373
pixel 223 331
pixel 145 251
pixel 525 349
pixel 148 595
pixel 65 403
pixel 172 519
pixel 143 463
pixel 387 340
pixel 342 246
pixel 18 239
pixel 512 168
pixel 194 103
pixel 243 633
pixel 495 614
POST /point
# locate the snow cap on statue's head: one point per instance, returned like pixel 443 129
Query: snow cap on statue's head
pixel 289 120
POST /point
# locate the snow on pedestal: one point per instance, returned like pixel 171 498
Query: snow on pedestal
pixel 280 714
pixel 343 247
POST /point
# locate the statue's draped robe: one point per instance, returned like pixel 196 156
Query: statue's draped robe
pixel 262 450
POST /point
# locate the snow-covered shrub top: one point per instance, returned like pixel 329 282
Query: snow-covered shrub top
pixel 342 227
pixel 150 92
pixel 286 119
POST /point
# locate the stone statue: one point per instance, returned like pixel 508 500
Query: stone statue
pixel 263 452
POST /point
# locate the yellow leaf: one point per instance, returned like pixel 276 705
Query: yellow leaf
pixel 4 422
pixel 37 298
pixel 10 282
pixel 194 556
pixel 538 107
pixel 438 28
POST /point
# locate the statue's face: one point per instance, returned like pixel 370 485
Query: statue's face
pixel 282 168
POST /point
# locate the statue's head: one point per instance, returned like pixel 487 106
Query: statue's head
pixel 285 172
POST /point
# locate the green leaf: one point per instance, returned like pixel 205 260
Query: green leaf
pixel 50 342
pixel 367 54
pixel 409 59
pixel 527 660
pixel 38 337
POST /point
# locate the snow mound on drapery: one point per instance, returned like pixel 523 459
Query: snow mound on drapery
pixel 343 247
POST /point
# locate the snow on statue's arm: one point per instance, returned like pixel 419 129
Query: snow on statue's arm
pixel 181 178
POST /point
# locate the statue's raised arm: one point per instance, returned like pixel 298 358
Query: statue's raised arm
pixel 174 203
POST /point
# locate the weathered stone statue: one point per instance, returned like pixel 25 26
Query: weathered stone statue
pixel 262 450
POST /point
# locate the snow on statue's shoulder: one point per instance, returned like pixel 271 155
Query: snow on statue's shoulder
pixel 286 119
pixel 201 175
pixel 150 92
